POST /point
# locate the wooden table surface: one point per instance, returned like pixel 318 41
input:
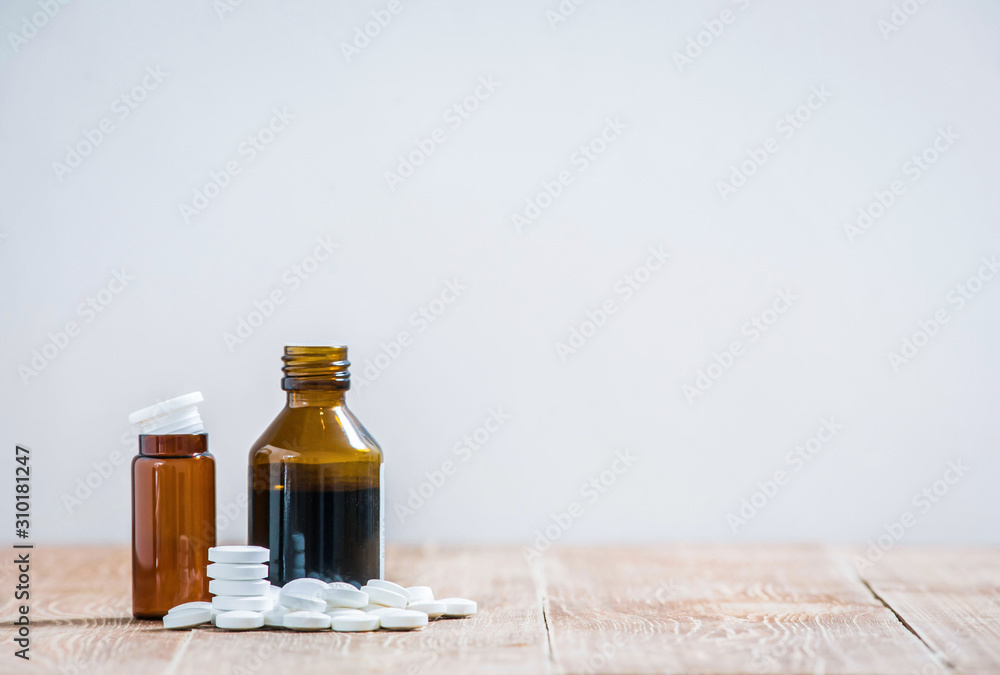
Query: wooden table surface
pixel 684 608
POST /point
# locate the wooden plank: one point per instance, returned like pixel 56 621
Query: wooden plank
pixel 949 597
pixel 506 636
pixel 671 609
pixel 720 609
pixel 81 618
pixel 81 624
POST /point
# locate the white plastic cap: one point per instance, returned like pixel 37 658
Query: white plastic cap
pixel 174 416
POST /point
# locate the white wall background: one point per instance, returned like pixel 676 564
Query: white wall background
pixel 655 186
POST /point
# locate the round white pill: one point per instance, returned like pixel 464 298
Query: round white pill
pixel 390 586
pixel 276 616
pixel 432 609
pixel 380 610
pixel 344 611
pixel 240 620
pixel 197 604
pixel 345 597
pixel 342 584
pixel 305 586
pixel 404 619
pixel 420 593
pixel 383 596
pixel 187 618
pixel 238 554
pixel 250 603
pixel 230 587
pixel 236 572
pixel 355 623
pixel 307 621
pixel 305 603
pixel 458 607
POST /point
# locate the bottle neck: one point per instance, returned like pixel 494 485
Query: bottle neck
pixel 315 369
pixel 173 445
pixel 306 398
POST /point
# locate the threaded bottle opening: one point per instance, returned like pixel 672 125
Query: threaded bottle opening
pixel 315 367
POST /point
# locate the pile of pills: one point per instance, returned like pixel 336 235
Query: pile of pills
pixel 244 600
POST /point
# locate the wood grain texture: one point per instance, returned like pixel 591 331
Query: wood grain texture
pixel 720 609
pixel 949 597
pixel 81 620
pixel 664 609
pixel 81 623
pixel 506 636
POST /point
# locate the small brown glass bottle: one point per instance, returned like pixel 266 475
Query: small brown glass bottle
pixel 173 508
pixel 316 477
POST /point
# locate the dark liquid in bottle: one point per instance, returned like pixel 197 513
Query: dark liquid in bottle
pixel 331 535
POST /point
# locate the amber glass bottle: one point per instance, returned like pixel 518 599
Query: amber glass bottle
pixel 173 508
pixel 316 478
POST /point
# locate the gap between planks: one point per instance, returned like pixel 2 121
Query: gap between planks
pixel 537 567
pixel 899 617
pixel 772 608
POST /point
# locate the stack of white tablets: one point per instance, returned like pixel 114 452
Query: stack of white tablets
pixel 245 600
pixel 239 583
